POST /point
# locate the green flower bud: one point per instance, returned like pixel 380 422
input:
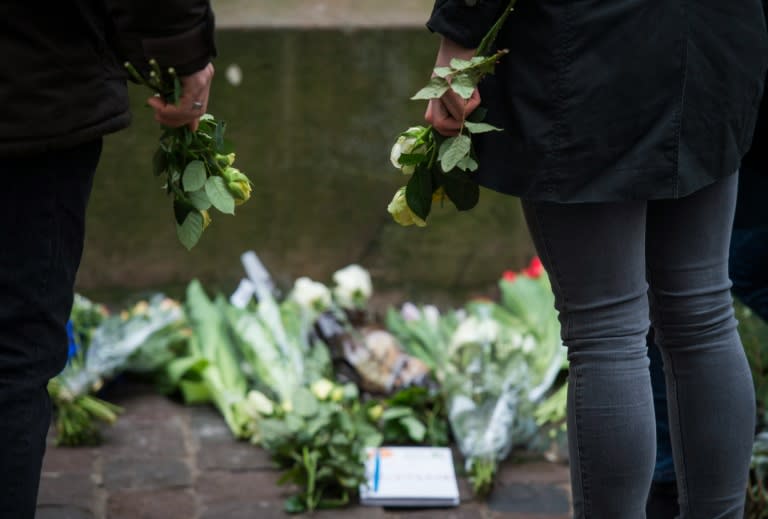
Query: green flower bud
pixel 241 191
pixel 337 395
pixel 225 160
pixel 237 183
pixel 375 412
pixel 231 174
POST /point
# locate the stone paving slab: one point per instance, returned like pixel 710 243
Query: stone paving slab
pixel 163 460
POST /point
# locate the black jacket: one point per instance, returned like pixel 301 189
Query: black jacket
pixel 62 81
pixel 615 100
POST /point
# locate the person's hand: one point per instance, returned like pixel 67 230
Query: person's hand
pixel 447 114
pixel 193 103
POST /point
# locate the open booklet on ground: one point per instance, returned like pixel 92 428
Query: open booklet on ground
pixel 410 477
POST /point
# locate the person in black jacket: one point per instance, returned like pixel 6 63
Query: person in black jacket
pixel 62 87
pixel 624 125
pixel 747 263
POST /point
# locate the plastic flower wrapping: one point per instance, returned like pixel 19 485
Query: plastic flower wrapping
pixel 495 364
pixel 101 346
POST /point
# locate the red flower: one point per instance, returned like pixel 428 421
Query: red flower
pixel 535 268
pixel 509 276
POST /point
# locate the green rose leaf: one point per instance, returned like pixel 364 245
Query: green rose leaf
pixel 460 64
pixel 463 85
pixel 467 164
pixel 190 231
pixel 411 159
pixel 194 176
pixel 394 413
pixel 294 505
pixel 443 71
pixel 199 199
pixel 304 403
pixel 416 429
pixel 480 127
pixel 418 193
pixel 453 150
pixel 462 191
pixel 436 87
pixel 219 195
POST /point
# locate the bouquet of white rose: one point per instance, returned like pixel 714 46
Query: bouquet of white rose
pixel 197 165
pixel 440 167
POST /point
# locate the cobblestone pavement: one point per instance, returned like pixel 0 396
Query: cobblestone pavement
pixel 162 460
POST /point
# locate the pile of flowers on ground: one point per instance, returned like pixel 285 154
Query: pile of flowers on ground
pixel 314 379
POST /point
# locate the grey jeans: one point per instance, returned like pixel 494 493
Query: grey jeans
pixel 611 266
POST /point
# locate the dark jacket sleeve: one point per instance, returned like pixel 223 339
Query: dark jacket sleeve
pixel 465 22
pixel 177 33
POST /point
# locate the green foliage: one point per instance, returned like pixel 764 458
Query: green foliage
pixel 482 473
pixel 320 446
pixel 441 165
pixel 191 230
pixel 754 337
pixel 414 415
pixel 453 150
pixel 196 165
pixel 77 416
pixel 213 369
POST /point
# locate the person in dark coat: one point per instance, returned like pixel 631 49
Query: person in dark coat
pixel 62 87
pixel 624 126
pixel 747 262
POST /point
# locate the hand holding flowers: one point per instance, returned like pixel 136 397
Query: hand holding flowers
pixel 193 156
pixel 439 158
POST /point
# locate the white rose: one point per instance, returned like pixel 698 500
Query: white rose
pixel 410 312
pixel 400 211
pixel 353 286
pixel 322 388
pixel 311 295
pixel 475 331
pixel 407 144
pixel 258 404
pixel 431 314
pixel 529 344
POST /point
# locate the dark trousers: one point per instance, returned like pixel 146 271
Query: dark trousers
pixel 747 267
pixel 604 260
pixel 42 220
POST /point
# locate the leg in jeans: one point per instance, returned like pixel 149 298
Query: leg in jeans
pixel 594 254
pixel 710 395
pixel 42 209
pixel 662 499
